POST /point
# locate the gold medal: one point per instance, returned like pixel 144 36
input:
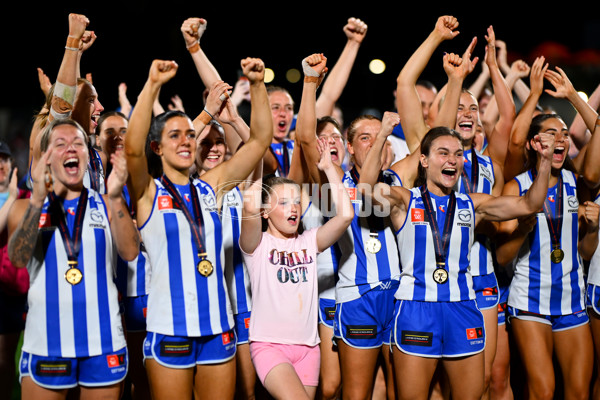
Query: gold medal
pixel 373 245
pixel 73 276
pixel 440 275
pixel 557 255
pixel 205 267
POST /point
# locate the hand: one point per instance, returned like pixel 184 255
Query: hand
pixel 192 30
pixel 467 66
pixel 526 224
pixel 389 121
pixel 355 30
pixel 592 215
pixel 560 81
pixel 41 176
pixel 176 104
pixel 445 27
pixel 452 64
pixel 325 154
pixel 77 25
pixel 87 40
pixel 536 76
pixel 118 176
pixel 544 145
pixel 241 91
pixel 315 66
pixel 45 83
pixel 13 185
pixel 162 71
pixel 520 69
pixel 254 69
pixel 228 112
pixel 217 95
pixel 490 49
pixel 501 55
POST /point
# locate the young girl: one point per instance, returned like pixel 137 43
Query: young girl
pixel 283 275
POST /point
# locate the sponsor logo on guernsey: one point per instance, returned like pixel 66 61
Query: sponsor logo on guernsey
pixel 474 335
pixel 45 221
pixel 97 218
pixel 417 216
pixel 116 362
pixel 165 203
pixel 228 339
pixel 361 331
pixel 53 368
pixel 175 349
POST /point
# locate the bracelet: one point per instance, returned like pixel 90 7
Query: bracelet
pixel 71 48
pixel 205 117
pixel 193 48
pixel 73 42
pixel 311 79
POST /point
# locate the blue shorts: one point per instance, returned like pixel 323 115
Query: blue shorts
pixel 13 310
pixel 367 321
pixel 438 329
pixel 558 322
pixel 186 352
pixel 327 312
pixel 592 300
pixel 242 325
pixel 134 310
pixel 486 291
pixel 62 373
pixel 502 305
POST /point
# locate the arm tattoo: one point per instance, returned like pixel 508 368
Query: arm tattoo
pixel 22 241
pixel 120 214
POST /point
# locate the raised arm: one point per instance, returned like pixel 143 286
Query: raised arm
pixel 591 167
pixel 520 88
pixel 371 168
pixel 139 125
pixel 242 163
pixel 192 30
pixel 408 103
pixel 333 86
pixel 579 131
pixel 251 230
pixel 330 232
pixel 314 68
pixel 500 135
pixel 503 208
pixel 515 156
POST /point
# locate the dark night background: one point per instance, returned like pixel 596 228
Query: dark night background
pixel 132 34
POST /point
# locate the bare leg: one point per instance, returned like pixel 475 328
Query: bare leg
pixel 8 348
pixel 32 391
pixel 283 382
pixel 330 378
pixel 169 383
pixel 246 373
pixel 500 388
pixel 466 376
pixel 413 375
pixel 535 344
pixel 358 368
pixel 112 392
pixel 215 381
pixel 595 325
pixel 490 318
pixel 140 388
pixel 575 354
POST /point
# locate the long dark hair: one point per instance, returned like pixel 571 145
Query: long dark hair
pixel 426 142
pixel 534 128
pixel 155 134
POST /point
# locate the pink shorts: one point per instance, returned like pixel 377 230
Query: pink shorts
pixel 306 360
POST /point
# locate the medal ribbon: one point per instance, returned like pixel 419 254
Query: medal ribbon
pixel 470 185
pixel 285 168
pixel 554 222
pixel 441 242
pixel 94 170
pixel 375 224
pixel 72 242
pixel 196 222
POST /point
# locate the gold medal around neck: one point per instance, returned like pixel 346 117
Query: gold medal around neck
pixel 440 275
pixel 557 255
pixel 73 276
pixel 373 245
pixel 205 267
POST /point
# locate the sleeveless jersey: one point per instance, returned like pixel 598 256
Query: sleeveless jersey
pixel 359 270
pixel 94 175
pixel 80 320
pixel 328 260
pixel 538 285
pixel 417 253
pixel 481 253
pixel 283 153
pixel 133 277
pixel 182 302
pixel 594 270
pixel 236 274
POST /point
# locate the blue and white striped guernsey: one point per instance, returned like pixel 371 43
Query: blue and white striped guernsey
pixel 538 285
pixel 78 320
pixel 481 252
pixel 417 252
pixel 133 277
pixel 182 302
pixel 236 273
pixel 359 270
pixel 328 260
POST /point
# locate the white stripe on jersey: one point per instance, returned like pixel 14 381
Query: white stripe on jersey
pixel 594 271
pixel 417 253
pixel 182 302
pixel 236 273
pixel 79 320
pixel 538 285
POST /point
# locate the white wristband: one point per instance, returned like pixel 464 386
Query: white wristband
pixel 308 71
